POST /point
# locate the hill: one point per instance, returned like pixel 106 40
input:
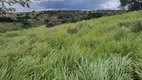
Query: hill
pixel 24 20
pixel 108 48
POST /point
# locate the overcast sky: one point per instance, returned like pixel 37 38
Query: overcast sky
pixel 71 4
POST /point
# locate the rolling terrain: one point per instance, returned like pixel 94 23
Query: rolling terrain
pixel 25 20
pixel 107 48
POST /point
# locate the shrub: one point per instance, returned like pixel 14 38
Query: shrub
pixel 94 15
pixel 26 23
pixel 60 17
pixel 46 21
pixel 50 25
pixel 6 19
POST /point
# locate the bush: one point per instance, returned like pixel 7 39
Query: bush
pixel 6 19
pixel 26 23
pixel 46 21
pixel 94 15
pixel 60 17
pixel 64 21
pixel 50 25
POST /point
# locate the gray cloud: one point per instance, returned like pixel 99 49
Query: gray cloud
pixel 72 4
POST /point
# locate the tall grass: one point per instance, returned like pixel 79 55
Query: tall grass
pixel 108 48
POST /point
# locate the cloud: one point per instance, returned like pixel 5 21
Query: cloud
pixel 72 4
pixel 44 0
pixel 111 4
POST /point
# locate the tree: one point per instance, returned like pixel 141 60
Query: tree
pixel 6 19
pixel 131 4
pixel 5 3
pixel 26 23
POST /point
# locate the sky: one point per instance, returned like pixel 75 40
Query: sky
pixel 38 5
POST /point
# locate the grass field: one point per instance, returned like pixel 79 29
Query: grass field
pixel 108 48
pixel 4 27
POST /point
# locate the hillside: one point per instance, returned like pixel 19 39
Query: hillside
pixel 108 48
pixel 24 20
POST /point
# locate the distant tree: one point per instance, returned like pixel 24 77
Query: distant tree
pixel 37 19
pixel 94 15
pixel 33 11
pixel 64 21
pixel 18 14
pixel 27 17
pixel 46 21
pixel 4 3
pixel 33 14
pixel 26 23
pixel 60 17
pixel 27 14
pixel 6 19
pixel 131 4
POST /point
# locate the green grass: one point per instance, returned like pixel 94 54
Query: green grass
pixel 108 48
pixel 8 26
pixel 35 22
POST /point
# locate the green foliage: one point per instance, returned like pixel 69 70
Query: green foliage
pixel 5 5
pixel 5 27
pixel 94 15
pixel 107 48
pixel 114 68
pixel 50 25
pixel 6 19
pixel 135 24
pixel 132 4
pixel 26 24
pixel 38 19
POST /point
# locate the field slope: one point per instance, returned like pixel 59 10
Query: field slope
pixel 108 48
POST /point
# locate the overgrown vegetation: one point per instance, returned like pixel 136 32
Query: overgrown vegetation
pixel 37 19
pixel 108 48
